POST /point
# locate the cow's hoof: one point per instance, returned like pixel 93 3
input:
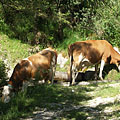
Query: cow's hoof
pixel 101 78
pixel 72 84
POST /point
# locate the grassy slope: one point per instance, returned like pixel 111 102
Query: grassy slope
pixel 13 49
pixel 63 98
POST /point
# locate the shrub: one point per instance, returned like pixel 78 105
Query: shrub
pixel 3 74
pixel 106 21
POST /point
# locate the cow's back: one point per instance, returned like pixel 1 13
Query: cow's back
pixel 93 50
pixel 38 61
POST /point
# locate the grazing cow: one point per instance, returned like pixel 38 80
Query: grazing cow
pixel 41 65
pixel 91 52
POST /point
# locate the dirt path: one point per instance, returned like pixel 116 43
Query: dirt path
pixel 90 107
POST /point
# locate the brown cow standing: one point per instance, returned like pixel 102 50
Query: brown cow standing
pixel 42 65
pixel 91 52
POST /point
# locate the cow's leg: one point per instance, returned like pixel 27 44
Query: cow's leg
pixel 71 68
pixel 53 68
pixel 24 86
pixel 76 66
pixel 101 69
pixel 96 70
pixel 74 74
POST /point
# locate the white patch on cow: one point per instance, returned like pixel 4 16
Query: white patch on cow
pixel 61 60
pixel 86 60
pixel 83 62
pixel 101 68
pixel 48 49
pixel 116 49
pixel 28 61
pixel 6 90
pixel 6 93
pixel 86 63
pixel 81 57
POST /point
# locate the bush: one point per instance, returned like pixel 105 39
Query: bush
pixel 3 74
pixel 106 22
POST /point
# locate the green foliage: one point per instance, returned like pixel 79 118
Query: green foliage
pixel 3 26
pixel 3 74
pixel 106 21
pixel 47 22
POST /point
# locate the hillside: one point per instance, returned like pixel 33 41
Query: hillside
pixel 88 100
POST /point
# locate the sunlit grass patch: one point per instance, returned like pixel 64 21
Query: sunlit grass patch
pixel 113 75
pixel 13 49
pixel 107 91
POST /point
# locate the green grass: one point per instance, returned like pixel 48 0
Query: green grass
pixel 13 49
pixel 41 96
pixel 113 75
pixel 108 91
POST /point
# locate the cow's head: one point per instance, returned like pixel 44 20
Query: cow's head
pixel 6 93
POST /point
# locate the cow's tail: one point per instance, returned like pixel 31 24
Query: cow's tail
pixel 70 53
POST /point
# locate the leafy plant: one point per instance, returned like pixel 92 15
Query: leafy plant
pixel 106 21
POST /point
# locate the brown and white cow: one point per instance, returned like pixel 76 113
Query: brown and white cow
pixel 91 52
pixel 42 65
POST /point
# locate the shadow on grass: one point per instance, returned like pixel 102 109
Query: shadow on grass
pixel 63 102
pixel 50 97
pixel 94 113
pixel 108 111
